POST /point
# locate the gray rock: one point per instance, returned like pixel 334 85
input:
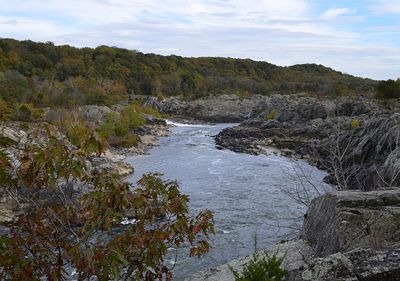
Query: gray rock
pixel 342 221
pixel 95 113
pixel 169 106
pixel 348 236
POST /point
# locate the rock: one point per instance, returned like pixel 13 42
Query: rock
pixel 372 158
pixel 169 106
pixel 14 133
pixel 346 220
pixel 347 236
pixel 113 163
pixel 309 128
pixel 336 267
pixel 220 109
pixel 95 113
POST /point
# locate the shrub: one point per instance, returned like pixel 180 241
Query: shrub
pixel 272 115
pixel 389 89
pixel 261 267
pixel 127 141
pixel 355 123
pixel 145 110
pixel 27 113
pixel 6 110
pixel 5 141
pixel 132 118
pixel 118 128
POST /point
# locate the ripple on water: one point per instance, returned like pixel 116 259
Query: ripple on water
pixel 243 191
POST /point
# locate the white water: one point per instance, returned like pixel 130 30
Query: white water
pixel 243 190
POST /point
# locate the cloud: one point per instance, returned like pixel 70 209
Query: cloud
pixel 24 28
pixel 386 7
pixel 335 12
pixel 282 32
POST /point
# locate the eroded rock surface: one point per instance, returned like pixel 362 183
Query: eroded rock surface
pixel 347 236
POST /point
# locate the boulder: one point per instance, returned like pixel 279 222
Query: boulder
pixel 169 106
pixel 345 220
pixel 95 113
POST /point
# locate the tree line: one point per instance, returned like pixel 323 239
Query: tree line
pixel 45 74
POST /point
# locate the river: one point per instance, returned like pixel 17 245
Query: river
pixel 244 191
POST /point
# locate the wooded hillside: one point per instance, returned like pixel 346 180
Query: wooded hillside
pixel 45 74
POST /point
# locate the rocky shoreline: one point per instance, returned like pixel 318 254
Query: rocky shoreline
pixel 357 142
pixel 112 160
pixel 351 234
pixel 346 236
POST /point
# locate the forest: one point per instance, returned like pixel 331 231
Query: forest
pixel 42 74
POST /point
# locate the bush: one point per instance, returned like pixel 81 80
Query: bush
pixel 272 115
pixel 127 141
pixel 145 110
pixel 389 89
pixel 261 267
pixel 118 128
pixel 355 124
pixel 28 113
pixel 6 110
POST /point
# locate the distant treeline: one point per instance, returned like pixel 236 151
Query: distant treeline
pixel 389 89
pixel 44 74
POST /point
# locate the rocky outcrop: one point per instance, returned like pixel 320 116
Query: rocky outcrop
pixel 219 109
pixel 222 109
pixel 348 236
pixel 171 105
pixel 361 137
pixel 95 113
pixel 346 220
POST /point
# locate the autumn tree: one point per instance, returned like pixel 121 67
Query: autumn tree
pixel 71 217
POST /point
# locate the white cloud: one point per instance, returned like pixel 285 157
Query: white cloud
pixel 282 32
pixel 23 27
pixel 386 7
pixel 335 12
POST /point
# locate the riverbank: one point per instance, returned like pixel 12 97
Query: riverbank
pixel 347 236
pixel 16 136
pixel 356 140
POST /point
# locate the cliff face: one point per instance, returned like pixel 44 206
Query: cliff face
pixel 357 142
pixel 348 235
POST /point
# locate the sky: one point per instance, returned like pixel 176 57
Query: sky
pixel 361 38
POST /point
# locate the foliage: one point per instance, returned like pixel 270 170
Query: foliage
pixel 261 267
pixel 389 89
pixel 118 129
pixel 355 123
pixel 131 117
pixel 73 210
pixel 272 115
pixel 146 110
pixel 127 141
pixel 6 110
pixel 45 75
pixel 27 113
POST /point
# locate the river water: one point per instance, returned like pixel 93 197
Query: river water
pixel 245 192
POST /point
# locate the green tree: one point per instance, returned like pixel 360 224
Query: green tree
pixel 389 89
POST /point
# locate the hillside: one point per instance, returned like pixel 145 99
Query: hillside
pixel 45 74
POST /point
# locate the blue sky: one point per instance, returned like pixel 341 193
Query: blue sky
pixel 357 37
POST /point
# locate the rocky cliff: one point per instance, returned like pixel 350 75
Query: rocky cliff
pixel 357 142
pixel 347 235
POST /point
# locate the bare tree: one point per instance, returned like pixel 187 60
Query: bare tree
pixel 391 168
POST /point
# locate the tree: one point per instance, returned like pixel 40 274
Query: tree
pixel 70 214
pixel 389 89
